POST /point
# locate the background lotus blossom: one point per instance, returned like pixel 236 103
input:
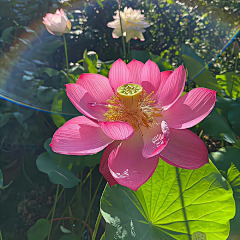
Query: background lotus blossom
pixel 135 139
pixel 58 23
pixel 133 24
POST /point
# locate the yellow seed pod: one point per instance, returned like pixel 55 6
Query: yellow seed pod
pixel 130 94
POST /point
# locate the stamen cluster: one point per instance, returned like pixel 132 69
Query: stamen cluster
pixel 142 116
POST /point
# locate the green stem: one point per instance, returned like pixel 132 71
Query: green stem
pixel 66 54
pixel 70 203
pixel 57 201
pixel 90 195
pixel 235 71
pixel 1 237
pixel 129 47
pixel 123 40
pixel 97 225
pixel 90 207
pixel 54 208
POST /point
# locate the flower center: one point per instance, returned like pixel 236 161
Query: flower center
pixel 133 105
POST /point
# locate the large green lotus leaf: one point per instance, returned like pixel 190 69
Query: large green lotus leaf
pixel 233 177
pixel 205 79
pixel 156 210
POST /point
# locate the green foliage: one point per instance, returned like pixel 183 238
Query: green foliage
pixel 220 131
pixel 90 61
pixel 225 156
pixel 4 118
pixel 230 83
pixel 59 120
pixel 57 167
pixel 40 230
pixel 222 122
pixel 159 208
pixel 61 169
pixel 205 79
pixel 1 178
pixel 71 236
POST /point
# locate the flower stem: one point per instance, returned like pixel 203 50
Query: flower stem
pixel 57 201
pixel 90 195
pixel 235 71
pixel 54 208
pixel 66 54
pixel 1 237
pixel 97 225
pixel 90 207
pixel 123 40
pixel 129 48
pixel 75 195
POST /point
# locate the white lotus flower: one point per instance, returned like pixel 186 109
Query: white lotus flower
pixel 133 24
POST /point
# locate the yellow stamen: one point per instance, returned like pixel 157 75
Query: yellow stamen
pixel 133 105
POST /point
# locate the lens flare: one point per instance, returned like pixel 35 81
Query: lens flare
pixel 31 64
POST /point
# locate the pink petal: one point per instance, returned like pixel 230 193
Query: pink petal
pixel 119 74
pixel 150 77
pixel 155 140
pixel 97 86
pixel 190 109
pixel 52 32
pixel 127 165
pixel 173 88
pixel 185 150
pixel 103 168
pixel 135 68
pixel 79 136
pixel 117 130
pixel 84 102
pixel 164 76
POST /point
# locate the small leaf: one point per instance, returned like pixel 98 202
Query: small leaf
pixel 57 174
pixel 90 61
pixel 51 72
pixel 46 94
pixel 39 231
pixel 64 230
pixel 4 118
pixel 59 120
pixel 27 78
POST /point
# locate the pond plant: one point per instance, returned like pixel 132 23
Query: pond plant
pixel 147 124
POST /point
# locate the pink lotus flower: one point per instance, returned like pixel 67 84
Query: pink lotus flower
pixel 138 116
pixel 58 23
